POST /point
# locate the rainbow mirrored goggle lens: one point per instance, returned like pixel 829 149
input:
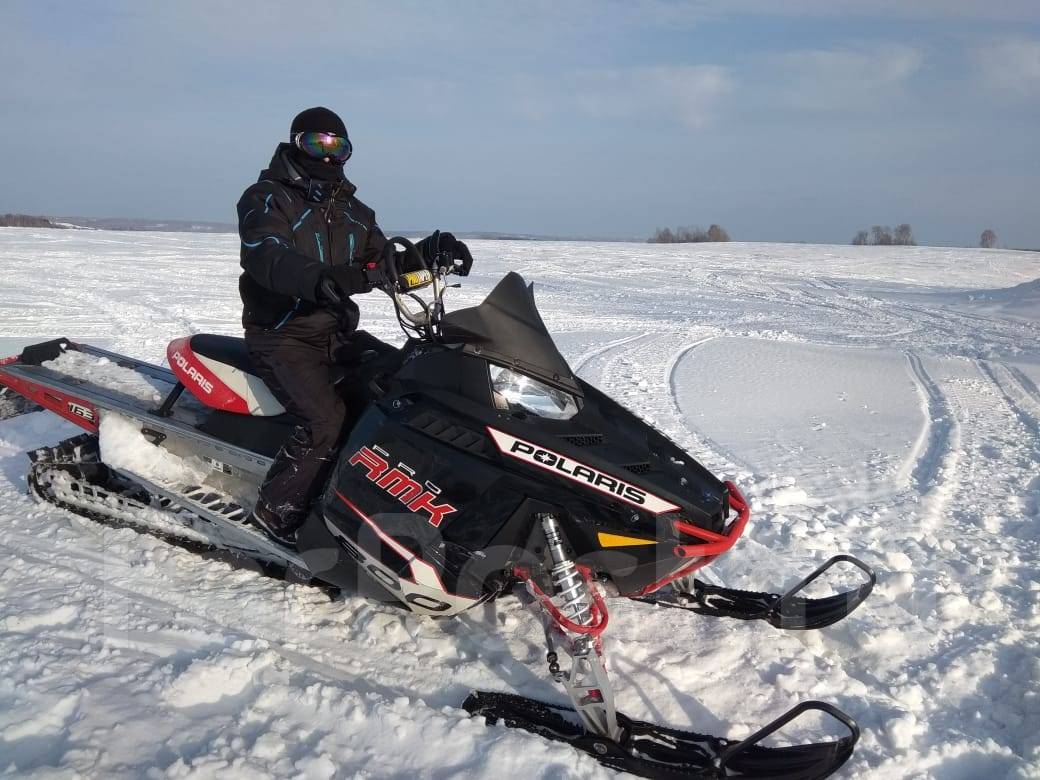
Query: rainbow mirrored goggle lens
pixel 321 145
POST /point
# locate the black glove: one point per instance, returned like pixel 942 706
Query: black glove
pixel 342 281
pixel 444 249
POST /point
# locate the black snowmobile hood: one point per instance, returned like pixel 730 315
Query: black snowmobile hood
pixel 507 329
pixel 281 169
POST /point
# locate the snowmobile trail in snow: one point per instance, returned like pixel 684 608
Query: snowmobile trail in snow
pixel 584 359
pixel 933 446
pixel 120 654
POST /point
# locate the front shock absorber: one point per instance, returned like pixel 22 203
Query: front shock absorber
pixel 570 585
pixel 587 682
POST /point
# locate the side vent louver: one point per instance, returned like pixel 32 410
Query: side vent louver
pixel 455 435
pixel 583 439
pixel 638 468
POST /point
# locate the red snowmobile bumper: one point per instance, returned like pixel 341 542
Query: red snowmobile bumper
pixel 789 610
pixel 710 545
pixel 713 544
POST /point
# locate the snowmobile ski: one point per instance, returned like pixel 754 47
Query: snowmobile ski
pixel 788 611
pixel 573 625
pixel 649 750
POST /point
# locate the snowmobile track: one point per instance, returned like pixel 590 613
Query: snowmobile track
pixel 197 547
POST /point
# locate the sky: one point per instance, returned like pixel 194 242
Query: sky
pixel 785 120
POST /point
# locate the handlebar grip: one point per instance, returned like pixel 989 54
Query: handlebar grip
pixel 413 280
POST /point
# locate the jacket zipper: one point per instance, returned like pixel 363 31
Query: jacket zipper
pixel 321 258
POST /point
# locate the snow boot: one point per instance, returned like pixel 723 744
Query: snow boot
pixel 279 529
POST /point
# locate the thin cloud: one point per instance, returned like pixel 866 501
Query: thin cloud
pixel 690 95
pixel 1010 66
pixel 937 10
pixel 842 78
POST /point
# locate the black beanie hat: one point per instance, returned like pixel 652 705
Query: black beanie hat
pixel 318 120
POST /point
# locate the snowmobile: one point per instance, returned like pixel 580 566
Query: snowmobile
pixel 478 465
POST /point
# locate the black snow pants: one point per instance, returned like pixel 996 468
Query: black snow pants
pixel 298 368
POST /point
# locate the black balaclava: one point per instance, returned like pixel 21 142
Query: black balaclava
pixel 317 120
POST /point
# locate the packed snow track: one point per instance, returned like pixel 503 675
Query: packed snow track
pixel 880 402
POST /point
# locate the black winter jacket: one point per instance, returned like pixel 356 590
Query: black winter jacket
pixel 291 229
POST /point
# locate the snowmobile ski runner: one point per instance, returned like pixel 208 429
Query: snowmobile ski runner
pixel 478 465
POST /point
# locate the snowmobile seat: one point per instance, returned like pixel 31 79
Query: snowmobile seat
pixel 223 349
pixel 218 372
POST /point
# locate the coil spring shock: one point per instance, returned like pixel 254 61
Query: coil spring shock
pixel 570 585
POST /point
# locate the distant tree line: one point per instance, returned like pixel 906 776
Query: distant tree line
pixel 883 235
pixel 688 235
pixel 25 220
pixel 903 235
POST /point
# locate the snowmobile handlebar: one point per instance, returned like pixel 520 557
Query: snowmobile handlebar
pixel 409 252
pixel 421 274
pixel 403 284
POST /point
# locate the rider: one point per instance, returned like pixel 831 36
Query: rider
pixel 308 245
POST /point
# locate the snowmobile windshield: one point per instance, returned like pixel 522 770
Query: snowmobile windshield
pixel 507 329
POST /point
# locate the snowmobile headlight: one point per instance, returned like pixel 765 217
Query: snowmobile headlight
pixel 514 391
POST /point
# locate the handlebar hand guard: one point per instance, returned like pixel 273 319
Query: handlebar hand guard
pixel 409 255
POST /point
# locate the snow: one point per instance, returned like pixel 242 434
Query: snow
pixel 880 401
pixel 124 446
pixel 102 371
pixel 843 421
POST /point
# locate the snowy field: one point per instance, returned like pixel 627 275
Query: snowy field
pixel 876 401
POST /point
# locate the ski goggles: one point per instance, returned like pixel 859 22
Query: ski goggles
pixel 322 145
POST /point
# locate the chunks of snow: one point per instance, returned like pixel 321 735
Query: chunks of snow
pixel 103 372
pixel 901 731
pixel 210 680
pixel 124 446
pixel 898 561
pixel 786 496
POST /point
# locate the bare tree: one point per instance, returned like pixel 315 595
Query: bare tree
pixel 905 235
pixel 988 240
pixel 716 233
pixel 862 238
pixel 882 235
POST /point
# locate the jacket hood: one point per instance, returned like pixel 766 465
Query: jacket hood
pixel 282 169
